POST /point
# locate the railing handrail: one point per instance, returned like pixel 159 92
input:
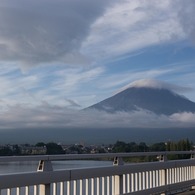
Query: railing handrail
pixel 88 156
pixel 134 178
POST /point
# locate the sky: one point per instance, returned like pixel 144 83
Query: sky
pixel 58 57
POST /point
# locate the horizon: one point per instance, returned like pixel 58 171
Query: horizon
pixel 58 57
pixel 98 136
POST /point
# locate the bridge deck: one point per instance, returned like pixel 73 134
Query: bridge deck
pixel 187 193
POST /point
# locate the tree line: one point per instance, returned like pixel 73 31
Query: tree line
pixel 118 147
pixel 181 145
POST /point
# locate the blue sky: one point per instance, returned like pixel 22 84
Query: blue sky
pixel 66 55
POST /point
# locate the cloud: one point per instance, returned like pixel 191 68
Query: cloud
pixel 133 25
pixel 73 103
pixel 47 116
pixel 56 85
pixel 185 117
pixel 186 14
pixel 41 31
pixel 79 32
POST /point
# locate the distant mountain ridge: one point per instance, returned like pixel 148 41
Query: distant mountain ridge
pixel 157 100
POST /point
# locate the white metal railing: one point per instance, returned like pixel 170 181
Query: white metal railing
pixel 163 177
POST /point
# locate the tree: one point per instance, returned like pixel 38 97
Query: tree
pixel 158 147
pixel 40 144
pixel 119 146
pixel 6 151
pixel 53 148
pixel 16 150
pixel 143 147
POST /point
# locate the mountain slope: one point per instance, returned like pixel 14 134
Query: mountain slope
pixel 159 101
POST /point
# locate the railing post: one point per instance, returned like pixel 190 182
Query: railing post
pixel 162 158
pixel 118 184
pixel 118 179
pixel 193 169
pixel 44 189
pixel 118 161
pixel 163 172
pixel 44 165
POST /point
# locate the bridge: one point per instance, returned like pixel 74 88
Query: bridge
pixel 160 177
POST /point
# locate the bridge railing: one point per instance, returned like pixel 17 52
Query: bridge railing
pixel 162 177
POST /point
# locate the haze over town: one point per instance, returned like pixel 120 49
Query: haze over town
pixel 59 57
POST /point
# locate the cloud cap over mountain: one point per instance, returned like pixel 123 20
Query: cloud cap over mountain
pixel 155 84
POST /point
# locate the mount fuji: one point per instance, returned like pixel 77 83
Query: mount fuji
pixel 150 95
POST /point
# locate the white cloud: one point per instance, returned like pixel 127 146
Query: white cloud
pixel 183 119
pixel 68 79
pixel 55 85
pixel 132 25
pixel 46 116
pixel 186 14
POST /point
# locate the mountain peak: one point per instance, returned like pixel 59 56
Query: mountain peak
pixel 151 95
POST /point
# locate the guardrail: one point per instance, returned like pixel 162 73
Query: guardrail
pixel 163 177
